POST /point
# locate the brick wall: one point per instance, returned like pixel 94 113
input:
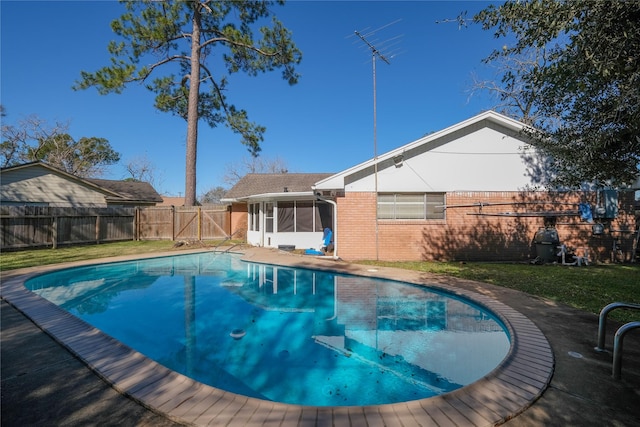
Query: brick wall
pixel 470 232
pixel 356 226
pixel 239 220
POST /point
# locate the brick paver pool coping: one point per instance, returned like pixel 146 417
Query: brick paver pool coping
pixel 499 396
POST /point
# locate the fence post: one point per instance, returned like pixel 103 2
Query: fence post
pixel 54 232
pixel 97 228
pixel 199 223
pixel 173 223
pixel 136 223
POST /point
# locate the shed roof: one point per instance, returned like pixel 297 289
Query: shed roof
pixel 130 190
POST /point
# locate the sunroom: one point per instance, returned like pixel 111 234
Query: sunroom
pixel 282 210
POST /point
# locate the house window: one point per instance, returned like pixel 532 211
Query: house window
pixel 411 206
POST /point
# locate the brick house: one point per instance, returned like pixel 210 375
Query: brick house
pixel 468 192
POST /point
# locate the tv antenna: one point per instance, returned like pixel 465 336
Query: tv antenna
pixel 376 53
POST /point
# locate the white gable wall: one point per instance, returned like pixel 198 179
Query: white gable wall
pixel 483 160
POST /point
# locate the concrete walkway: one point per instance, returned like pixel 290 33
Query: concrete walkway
pixel 43 384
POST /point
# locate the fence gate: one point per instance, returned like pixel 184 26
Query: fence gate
pixel 184 223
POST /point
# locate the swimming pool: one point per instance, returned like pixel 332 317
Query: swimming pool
pixel 285 334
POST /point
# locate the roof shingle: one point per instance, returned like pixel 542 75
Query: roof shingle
pixel 265 183
pixel 130 190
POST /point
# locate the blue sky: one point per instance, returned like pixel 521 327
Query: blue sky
pixel 322 124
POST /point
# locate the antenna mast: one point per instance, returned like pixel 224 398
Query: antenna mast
pixel 375 53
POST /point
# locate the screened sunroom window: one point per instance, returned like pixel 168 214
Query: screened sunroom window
pixel 286 217
pixel 268 217
pixel 254 216
pixel 411 206
pixel 303 216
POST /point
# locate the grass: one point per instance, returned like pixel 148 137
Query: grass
pixel 36 257
pixel 586 288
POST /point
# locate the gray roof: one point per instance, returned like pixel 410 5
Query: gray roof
pixel 265 183
pixel 129 190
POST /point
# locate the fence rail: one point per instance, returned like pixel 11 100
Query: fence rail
pixel 38 226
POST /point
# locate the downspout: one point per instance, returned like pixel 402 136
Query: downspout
pixel 335 224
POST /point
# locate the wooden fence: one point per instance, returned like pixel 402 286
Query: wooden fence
pixel 37 226
pixel 184 223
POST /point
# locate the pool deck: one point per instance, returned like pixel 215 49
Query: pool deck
pixel 57 370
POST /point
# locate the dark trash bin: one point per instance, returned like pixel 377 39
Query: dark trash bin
pixel 547 242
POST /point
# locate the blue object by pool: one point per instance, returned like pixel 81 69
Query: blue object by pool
pixel 327 235
pixel 312 252
pixel 282 334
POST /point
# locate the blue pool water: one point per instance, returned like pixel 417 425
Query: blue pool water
pixel 288 335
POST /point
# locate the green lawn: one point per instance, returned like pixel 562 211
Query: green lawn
pixel 587 288
pixel 33 257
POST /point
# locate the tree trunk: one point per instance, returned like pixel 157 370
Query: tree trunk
pixel 192 112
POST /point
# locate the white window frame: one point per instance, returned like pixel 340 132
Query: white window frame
pixel 419 206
